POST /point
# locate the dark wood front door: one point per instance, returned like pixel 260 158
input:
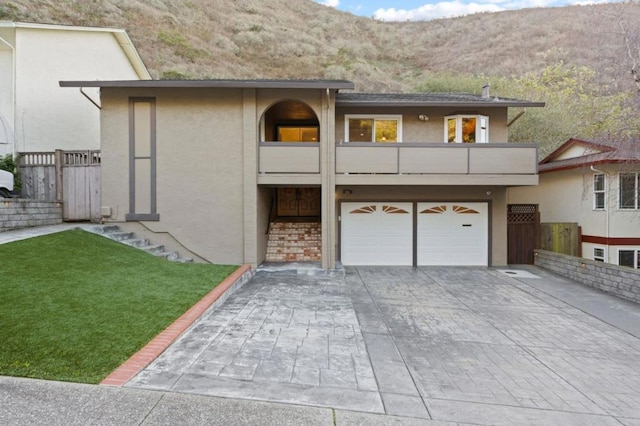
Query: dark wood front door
pixel 298 202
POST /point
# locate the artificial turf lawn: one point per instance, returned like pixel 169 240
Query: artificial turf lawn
pixel 74 306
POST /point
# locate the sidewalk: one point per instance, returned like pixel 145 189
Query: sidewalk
pixel 38 402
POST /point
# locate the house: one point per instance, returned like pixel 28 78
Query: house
pixel 597 185
pixel 35 113
pixel 393 179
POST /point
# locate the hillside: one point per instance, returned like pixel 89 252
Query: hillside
pixel 302 39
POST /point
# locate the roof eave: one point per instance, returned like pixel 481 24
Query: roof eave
pixel 560 167
pixel 235 84
pixel 457 104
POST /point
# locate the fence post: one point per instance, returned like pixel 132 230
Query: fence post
pixel 58 163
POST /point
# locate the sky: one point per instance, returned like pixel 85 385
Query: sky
pixel 423 10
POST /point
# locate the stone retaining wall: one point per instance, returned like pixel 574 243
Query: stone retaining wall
pixel 621 281
pixel 19 213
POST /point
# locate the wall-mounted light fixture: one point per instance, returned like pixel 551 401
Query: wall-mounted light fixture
pixel 423 117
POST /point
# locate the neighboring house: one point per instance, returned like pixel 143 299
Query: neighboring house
pixel 597 185
pixel 387 179
pixel 35 113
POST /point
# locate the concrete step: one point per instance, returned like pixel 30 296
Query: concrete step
pixel 129 238
pixel 120 236
pixel 154 249
pixel 137 242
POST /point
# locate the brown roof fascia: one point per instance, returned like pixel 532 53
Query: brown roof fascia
pixel 571 142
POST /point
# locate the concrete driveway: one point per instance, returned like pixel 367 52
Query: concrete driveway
pixel 468 345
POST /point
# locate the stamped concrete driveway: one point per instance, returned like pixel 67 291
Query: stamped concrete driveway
pixel 467 345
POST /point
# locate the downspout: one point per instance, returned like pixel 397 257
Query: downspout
pixel 606 205
pixel 13 92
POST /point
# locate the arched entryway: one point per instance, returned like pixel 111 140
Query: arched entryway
pixel 294 229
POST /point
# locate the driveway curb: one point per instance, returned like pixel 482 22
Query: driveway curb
pixel 161 342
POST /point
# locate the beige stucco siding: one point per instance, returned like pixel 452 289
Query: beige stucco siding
pixel 199 155
pixel 495 195
pixel 431 131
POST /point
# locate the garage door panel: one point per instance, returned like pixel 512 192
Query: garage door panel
pixel 377 233
pixel 452 234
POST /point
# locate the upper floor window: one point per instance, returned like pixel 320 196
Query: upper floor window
pixel 629 194
pixel 368 128
pixel 466 129
pixel 598 191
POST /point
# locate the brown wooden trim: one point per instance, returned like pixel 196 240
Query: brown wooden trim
pixel 610 241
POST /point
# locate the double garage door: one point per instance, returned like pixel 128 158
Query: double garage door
pixel 383 233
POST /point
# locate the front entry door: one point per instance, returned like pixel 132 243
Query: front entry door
pixel 298 202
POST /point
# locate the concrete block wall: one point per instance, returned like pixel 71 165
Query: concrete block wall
pixel 621 281
pixel 19 213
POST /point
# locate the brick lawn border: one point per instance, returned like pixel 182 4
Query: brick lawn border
pixel 162 341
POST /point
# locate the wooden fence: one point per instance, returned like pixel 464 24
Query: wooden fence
pixel 72 177
pixel 561 237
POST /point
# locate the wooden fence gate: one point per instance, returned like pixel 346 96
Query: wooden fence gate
pixel 523 233
pixel 72 177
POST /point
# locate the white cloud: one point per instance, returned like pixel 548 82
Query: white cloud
pixel 445 9
pixel 330 3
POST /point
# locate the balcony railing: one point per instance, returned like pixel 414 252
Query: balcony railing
pixel 437 158
pixel 288 157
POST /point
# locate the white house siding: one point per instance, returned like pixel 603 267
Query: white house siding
pixel 567 196
pixel 46 116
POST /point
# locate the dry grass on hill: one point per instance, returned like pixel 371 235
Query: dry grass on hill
pixel 302 39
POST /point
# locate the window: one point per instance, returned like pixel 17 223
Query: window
pixel 629 194
pixel 598 192
pixel 297 134
pixel 629 258
pixel 598 254
pixel 466 129
pixel 379 128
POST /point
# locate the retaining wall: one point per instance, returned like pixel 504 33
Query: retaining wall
pixel 621 281
pixel 19 213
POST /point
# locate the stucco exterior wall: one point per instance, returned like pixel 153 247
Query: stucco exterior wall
pixel 46 116
pixel 497 209
pixel 431 131
pixel 199 167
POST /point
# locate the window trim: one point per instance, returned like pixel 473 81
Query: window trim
pixel 600 258
pixel 602 191
pixel 636 257
pixel 636 191
pixel 374 117
pixel 459 118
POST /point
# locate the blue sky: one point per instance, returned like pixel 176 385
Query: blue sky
pixel 420 10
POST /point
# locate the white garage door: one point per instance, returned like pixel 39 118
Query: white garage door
pixel 453 234
pixel 377 233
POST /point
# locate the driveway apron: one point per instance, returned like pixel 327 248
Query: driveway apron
pixel 460 344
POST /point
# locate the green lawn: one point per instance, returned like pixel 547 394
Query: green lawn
pixel 74 306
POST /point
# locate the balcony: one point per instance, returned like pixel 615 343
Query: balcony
pixel 289 163
pixel 401 164
pixel 436 164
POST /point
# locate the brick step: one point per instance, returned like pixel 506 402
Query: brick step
pixel 294 242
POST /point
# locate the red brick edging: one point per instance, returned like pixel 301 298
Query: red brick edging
pixel 155 347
